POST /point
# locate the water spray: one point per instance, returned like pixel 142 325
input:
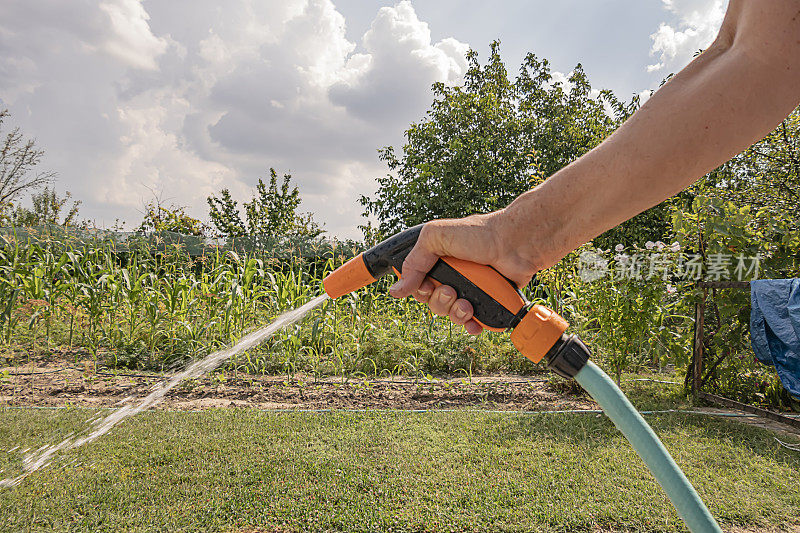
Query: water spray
pixel 538 333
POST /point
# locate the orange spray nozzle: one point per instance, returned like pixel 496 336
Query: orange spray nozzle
pixel 497 303
pixel 349 277
pixel 537 332
pixel 374 263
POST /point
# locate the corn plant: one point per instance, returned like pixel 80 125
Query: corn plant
pixel 152 303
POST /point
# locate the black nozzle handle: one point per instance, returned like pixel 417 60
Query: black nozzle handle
pixel 389 255
pixel 392 252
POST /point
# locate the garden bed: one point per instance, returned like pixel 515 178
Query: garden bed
pixel 59 379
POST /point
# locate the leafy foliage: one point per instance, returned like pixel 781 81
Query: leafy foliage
pixel 152 307
pixel 48 208
pixel 630 313
pixel 159 218
pixel 224 214
pixel 490 139
pixel 270 214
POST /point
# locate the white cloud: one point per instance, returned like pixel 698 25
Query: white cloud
pixel 189 96
pixel 558 77
pixel 696 26
pixel 131 39
pixel 387 82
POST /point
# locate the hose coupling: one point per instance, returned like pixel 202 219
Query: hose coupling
pixel 567 356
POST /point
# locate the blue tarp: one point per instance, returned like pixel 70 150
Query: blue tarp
pixel 775 327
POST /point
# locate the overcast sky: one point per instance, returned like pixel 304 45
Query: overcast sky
pixel 185 97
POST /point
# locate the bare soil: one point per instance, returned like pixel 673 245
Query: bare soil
pixel 59 380
pixel 62 378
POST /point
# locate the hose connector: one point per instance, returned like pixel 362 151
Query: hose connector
pixel 537 332
pixel 567 356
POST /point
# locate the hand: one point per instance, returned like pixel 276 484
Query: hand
pixel 478 238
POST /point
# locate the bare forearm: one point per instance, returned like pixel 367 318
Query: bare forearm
pixel 721 103
pixel 726 99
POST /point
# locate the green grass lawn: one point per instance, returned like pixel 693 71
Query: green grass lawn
pixel 390 471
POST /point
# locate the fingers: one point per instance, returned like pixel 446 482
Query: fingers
pixel 443 302
pixel 416 265
pixel 473 328
pixel 423 294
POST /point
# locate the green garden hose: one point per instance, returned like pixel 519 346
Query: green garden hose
pixel 628 420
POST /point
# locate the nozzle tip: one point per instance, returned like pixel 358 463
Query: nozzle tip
pixel 347 278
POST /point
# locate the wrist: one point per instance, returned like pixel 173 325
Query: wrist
pixel 532 230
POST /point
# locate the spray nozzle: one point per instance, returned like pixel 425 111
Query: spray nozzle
pixel 497 302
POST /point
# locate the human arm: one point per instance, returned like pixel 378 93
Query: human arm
pixel 730 96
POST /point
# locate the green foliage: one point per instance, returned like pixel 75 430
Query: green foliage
pixel 158 218
pixel 713 225
pixel 651 225
pixel 270 214
pixel 48 208
pixel 144 307
pixel 224 214
pixel 631 317
pixel 485 142
pixel 272 210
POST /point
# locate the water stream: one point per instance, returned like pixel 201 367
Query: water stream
pixel 45 455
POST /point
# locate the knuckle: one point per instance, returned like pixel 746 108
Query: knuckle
pixel 425 232
pixel 408 268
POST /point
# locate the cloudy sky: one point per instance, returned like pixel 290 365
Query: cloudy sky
pixel 181 98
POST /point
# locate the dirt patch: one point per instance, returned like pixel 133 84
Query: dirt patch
pixel 58 383
pixel 60 380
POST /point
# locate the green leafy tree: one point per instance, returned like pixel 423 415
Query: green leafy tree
pixel 269 215
pixel 47 208
pixel 488 140
pixel 170 218
pixel 224 214
pixel 272 210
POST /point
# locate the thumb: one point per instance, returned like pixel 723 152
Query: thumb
pixel 415 267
